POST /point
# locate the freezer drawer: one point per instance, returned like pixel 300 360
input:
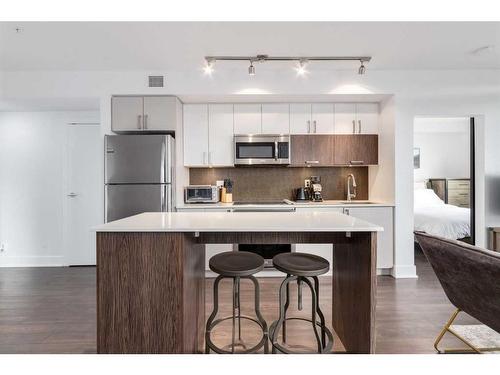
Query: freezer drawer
pixel 132 159
pixel 127 200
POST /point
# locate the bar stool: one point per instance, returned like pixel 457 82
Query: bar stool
pixel 300 267
pixel 236 265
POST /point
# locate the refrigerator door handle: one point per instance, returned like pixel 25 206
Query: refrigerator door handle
pixel 162 202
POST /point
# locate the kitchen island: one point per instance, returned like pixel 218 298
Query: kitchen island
pixel 150 274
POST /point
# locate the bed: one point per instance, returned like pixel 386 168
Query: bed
pixel 433 216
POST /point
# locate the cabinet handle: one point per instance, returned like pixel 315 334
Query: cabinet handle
pixel 314 123
pixel 145 121
pixel 312 161
pixel 209 157
pixel 204 157
pixel 356 162
pixel 139 125
pixel 353 127
pixel 308 126
pixel 359 122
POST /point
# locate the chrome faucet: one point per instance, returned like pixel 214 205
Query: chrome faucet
pixel 349 194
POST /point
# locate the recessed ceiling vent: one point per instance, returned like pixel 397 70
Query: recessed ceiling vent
pixel 155 81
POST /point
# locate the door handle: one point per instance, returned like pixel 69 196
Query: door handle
pixel 72 195
pixel 139 125
pixel 145 121
pixel 353 127
pixel 359 127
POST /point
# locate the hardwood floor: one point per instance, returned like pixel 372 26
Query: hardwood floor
pixel 53 310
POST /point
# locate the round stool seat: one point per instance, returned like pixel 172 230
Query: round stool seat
pixel 236 263
pixel 301 264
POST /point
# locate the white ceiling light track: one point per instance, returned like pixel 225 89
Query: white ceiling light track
pixel 301 61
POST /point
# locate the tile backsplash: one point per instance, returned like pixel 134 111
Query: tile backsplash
pixel 259 183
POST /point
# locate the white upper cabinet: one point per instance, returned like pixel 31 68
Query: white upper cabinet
pixel 323 119
pixel 275 118
pixel 144 113
pixel 126 113
pixel 195 135
pixel 247 119
pixel 345 118
pixel 316 118
pixel 300 118
pixel 160 113
pixel 359 118
pixel 367 118
pixel 220 135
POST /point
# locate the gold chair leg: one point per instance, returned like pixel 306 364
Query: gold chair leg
pixel 445 329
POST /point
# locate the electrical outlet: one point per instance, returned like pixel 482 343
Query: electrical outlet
pixel 307 183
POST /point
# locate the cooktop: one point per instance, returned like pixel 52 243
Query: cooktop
pixel 281 202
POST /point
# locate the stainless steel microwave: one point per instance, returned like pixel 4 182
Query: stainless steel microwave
pixel 262 149
pixel 201 194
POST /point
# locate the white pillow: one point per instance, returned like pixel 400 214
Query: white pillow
pixel 426 198
pixel 420 185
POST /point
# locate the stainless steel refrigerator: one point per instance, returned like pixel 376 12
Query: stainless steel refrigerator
pixel 139 174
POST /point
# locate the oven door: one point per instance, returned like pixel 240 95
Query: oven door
pixel 250 150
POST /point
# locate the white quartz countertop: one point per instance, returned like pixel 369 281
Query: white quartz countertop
pixel 310 221
pixel 325 203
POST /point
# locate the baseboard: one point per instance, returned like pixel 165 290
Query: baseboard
pixel 32 261
pixel 404 272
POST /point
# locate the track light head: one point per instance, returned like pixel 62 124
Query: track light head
pixel 301 68
pixel 251 69
pixel 209 66
pixel 362 68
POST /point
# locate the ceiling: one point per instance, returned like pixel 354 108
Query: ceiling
pixel 163 46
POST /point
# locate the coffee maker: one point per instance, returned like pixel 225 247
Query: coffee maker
pixel 315 189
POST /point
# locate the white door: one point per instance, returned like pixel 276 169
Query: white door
pixel 323 119
pixel 367 118
pixel 220 135
pixel 126 113
pixel 247 119
pixel 159 113
pixel 275 118
pixel 195 135
pixel 345 118
pixel 83 188
pixel 300 118
pixel 385 240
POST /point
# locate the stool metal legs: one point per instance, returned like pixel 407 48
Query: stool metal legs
pixel 325 343
pixel 236 316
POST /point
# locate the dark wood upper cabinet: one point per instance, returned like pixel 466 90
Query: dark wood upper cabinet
pixel 311 149
pixel 335 149
pixel 356 149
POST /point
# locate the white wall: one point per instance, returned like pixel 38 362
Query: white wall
pixel 444 145
pixel 31 189
pixel 416 93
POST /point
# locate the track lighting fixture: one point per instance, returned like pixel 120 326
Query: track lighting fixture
pixel 251 69
pixel 362 68
pixel 301 68
pixel 209 66
pixel 302 61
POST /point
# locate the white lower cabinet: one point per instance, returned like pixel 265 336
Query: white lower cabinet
pixel 382 216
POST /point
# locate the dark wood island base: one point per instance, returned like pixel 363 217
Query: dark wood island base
pixel 151 289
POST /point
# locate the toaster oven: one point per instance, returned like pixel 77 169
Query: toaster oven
pixel 201 194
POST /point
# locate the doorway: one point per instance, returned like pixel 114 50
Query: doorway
pixel 82 189
pixel 444 177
